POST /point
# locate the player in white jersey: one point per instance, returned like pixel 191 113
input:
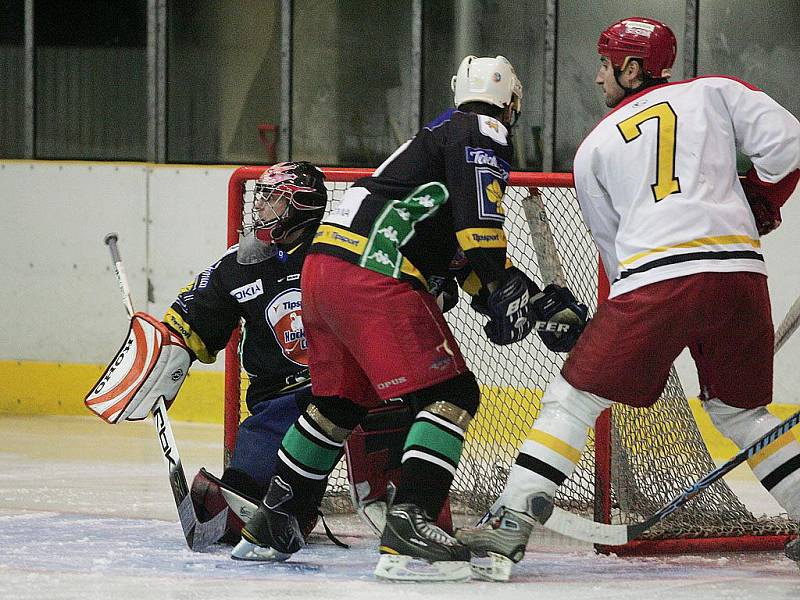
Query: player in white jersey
pixel 679 238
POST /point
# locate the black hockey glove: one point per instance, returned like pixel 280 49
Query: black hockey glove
pixel 561 318
pixel 445 290
pixel 509 309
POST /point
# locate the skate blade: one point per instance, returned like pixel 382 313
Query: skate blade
pixel 393 567
pixel 245 550
pixel 492 567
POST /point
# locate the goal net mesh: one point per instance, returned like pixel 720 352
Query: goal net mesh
pixel 655 452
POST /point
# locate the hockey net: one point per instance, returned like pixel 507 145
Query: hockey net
pixel 636 459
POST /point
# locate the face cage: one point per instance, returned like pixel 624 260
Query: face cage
pixel 268 197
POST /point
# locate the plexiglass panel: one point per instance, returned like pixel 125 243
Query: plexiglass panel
pixel 579 101
pixel 223 80
pixel 456 28
pixel 353 99
pixel 91 93
pixel 12 83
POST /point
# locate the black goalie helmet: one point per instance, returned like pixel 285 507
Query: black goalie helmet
pixel 288 196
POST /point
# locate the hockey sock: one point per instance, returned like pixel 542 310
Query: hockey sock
pixel 554 445
pixel 311 449
pixel 777 466
pixel 431 455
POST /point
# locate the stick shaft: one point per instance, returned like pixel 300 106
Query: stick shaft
pixel 119 271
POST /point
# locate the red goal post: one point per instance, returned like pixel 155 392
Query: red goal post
pixel 636 459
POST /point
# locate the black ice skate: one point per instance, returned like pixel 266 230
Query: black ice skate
pixel 413 548
pixel 272 534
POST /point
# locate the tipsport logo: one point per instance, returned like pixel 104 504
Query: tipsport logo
pixel 284 313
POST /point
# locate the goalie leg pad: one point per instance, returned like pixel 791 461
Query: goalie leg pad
pixel 777 466
pixel 209 499
pixel 554 444
pixel 373 452
pixel 152 362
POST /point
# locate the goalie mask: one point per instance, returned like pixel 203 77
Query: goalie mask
pixel 288 197
pixel 649 40
pixel 489 80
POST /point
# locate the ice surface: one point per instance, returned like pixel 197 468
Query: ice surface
pixel 86 512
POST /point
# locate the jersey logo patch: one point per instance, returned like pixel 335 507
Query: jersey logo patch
pixel 493 129
pixel 284 313
pixel 248 292
pixel 487 157
pixel 490 195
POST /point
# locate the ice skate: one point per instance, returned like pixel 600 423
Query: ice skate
pixel 413 548
pixel 272 534
pixel 500 542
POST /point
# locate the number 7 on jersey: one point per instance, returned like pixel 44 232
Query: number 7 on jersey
pixel 666 182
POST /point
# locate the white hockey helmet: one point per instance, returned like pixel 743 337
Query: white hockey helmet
pixel 486 79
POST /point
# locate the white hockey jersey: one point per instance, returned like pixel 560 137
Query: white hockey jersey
pixel 656 179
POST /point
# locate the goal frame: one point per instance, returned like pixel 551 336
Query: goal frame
pixel 603 438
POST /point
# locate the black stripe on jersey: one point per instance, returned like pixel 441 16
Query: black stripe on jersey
pixel 541 468
pixel 680 258
pixel 781 473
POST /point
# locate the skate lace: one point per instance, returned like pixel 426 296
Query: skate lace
pixel 432 532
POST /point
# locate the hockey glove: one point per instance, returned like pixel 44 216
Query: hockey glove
pixel 562 317
pixel 767 216
pixel 508 309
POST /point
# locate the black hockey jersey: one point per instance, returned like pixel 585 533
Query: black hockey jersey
pixel 439 192
pixel 266 295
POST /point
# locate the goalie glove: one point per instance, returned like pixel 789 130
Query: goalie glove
pixel 152 362
pixel 556 305
pixel 508 308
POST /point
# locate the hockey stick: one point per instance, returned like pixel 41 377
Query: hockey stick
pixel 542 237
pixel 574 526
pixel 199 535
pixel 788 325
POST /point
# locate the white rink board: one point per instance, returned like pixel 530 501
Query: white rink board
pixel 60 298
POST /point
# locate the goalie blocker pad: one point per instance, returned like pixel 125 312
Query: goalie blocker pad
pixel 152 362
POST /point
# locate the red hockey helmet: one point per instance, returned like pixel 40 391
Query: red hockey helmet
pixel 638 37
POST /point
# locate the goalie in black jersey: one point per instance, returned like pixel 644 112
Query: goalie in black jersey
pixel 375 331
pixel 257 281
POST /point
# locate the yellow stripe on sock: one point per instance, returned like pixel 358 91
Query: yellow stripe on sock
pixel 767 451
pixel 556 445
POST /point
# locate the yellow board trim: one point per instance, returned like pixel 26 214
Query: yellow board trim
pixel 721 240
pixel 53 388
pixel 481 237
pixel 556 445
